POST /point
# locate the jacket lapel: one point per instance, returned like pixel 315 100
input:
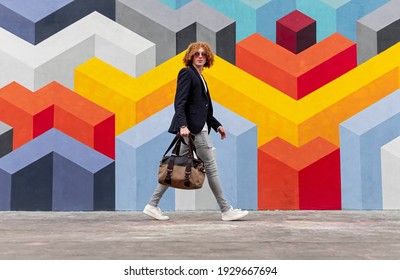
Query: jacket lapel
pixel 205 92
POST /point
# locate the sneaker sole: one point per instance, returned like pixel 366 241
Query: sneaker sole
pixel 150 214
pixel 236 218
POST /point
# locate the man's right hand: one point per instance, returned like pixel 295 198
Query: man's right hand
pixel 184 131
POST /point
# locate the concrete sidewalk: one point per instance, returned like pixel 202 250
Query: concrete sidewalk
pixel 278 235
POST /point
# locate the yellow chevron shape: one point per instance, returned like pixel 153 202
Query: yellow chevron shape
pixel 131 99
pixel 319 113
pixel 276 114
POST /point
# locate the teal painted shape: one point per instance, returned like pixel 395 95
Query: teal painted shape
pixel 349 13
pixel 175 4
pixel 269 14
pixel 243 14
pixel 337 15
pixel 333 3
pixel 325 14
pixel 254 16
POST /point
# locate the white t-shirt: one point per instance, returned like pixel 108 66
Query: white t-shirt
pixel 205 128
pixel 204 82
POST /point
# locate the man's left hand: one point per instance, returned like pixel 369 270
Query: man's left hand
pixel 222 131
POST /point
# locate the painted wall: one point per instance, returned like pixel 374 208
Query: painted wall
pixel 307 90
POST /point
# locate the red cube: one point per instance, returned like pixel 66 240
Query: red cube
pixel 296 32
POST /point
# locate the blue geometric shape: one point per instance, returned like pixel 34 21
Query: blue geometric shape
pixel 31 188
pixel 5 191
pixel 138 154
pixel 56 172
pixel 65 196
pixel 361 138
pixel 237 158
pixel 97 175
pixel 36 20
pixel 104 188
pixel 25 179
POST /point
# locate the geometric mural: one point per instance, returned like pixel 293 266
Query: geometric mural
pixel 362 137
pixel 307 90
pixel 378 31
pixel 36 20
pixel 55 58
pixel 172 30
pixel 138 152
pixel 31 114
pixel 305 178
pixel 390 175
pixel 297 75
pixel 56 172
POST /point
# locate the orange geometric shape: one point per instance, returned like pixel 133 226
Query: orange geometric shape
pixel 81 119
pixel 302 178
pixel 31 114
pixel 28 115
pixel 296 75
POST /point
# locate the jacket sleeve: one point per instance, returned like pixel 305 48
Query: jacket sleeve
pixel 215 123
pixel 181 96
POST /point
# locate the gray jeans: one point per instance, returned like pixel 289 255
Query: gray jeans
pixel 203 146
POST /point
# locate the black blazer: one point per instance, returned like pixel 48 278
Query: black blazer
pixel 193 105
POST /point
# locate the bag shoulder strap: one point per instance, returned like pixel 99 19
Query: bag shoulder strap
pixel 174 141
pixel 178 139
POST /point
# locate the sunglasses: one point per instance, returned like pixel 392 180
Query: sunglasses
pixel 197 54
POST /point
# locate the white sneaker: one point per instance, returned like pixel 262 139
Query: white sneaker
pixel 234 214
pixel 155 212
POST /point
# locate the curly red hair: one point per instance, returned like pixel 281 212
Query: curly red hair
pixel 194 47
